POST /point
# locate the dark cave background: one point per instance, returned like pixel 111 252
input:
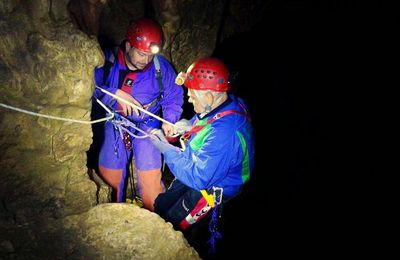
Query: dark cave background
pixel 303 71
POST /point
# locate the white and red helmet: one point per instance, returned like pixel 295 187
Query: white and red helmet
pixel 207 74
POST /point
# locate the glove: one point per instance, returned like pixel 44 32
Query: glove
pixel 183 126
pixel 160 142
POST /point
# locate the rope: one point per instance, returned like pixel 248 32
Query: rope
pixel 121 121
pixel 216 214
pixel 212 227
pixel 135 106
pixel 111 115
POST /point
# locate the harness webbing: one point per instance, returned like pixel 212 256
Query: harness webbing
pixel 159 75
pixel 159 81
pixel 109 63
pixel 217 116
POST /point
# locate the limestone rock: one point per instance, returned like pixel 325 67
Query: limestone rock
pixel 125 231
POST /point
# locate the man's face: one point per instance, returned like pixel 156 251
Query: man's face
pixel 197 106
pixel 138 59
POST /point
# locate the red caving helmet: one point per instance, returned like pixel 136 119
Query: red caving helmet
pixel 145 34
pixel 207 74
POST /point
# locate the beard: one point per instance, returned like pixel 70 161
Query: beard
pixel 132 64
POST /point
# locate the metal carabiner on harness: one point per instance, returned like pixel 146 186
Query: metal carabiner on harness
pixel 183 141
pixel 217 194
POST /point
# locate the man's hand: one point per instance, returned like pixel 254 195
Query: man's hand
pixel 168 129
pixel 127 109
pixel 182 126
pixel 158 139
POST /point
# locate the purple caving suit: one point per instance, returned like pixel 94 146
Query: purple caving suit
pixel 143 86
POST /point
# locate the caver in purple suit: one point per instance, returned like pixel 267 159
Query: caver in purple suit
pixel 144 87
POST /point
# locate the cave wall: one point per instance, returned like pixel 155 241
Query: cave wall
pixel 192 29
pixel 47 67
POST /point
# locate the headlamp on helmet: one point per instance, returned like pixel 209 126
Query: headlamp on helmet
pixel 154 48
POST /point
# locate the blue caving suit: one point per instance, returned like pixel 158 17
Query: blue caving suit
pixel 219 155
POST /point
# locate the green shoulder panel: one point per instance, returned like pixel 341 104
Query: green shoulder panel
pixel 200 137
pixel 198 141
pixel 246 162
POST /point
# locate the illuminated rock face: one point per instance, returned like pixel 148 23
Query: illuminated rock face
pixel 125 231
pixel 46 194
pixel 48 69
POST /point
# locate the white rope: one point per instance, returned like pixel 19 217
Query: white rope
pixel 62 118
pixel 104 106
pixel 145 135
pixel 127 123
pixel 135 106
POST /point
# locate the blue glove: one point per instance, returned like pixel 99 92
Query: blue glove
pixel 158 139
